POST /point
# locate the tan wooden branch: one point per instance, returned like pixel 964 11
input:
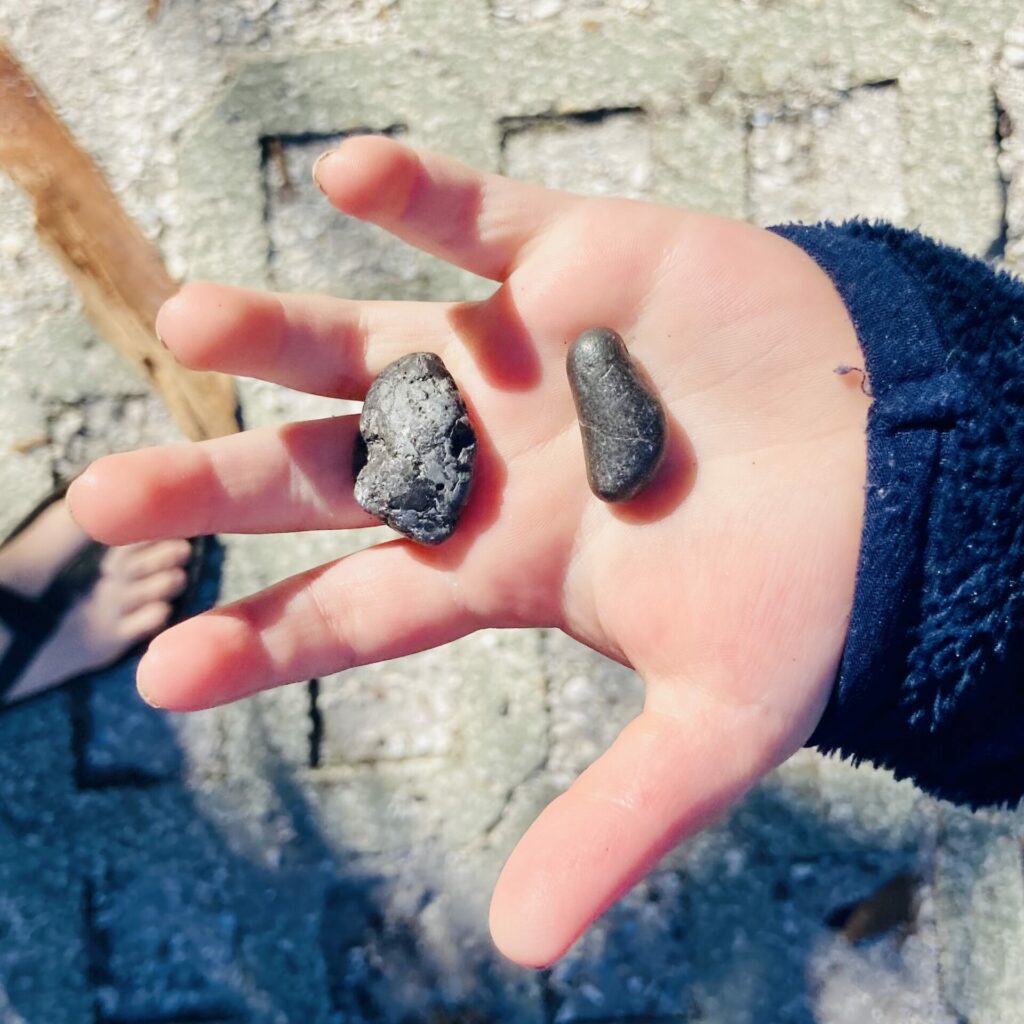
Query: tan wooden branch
pixel 118 273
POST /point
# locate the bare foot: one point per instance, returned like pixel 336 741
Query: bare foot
pixel 130 601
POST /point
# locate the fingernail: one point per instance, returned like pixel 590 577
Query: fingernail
pixel 67 504
pixel 85 481
pixel 316 167
pixel 162 314
pixel 141 686
pixel 145 696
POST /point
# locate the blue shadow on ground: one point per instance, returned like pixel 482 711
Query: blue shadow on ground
pixel 183 918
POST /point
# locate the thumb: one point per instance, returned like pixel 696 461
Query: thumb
pixel 665 777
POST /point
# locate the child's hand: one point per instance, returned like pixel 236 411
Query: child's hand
pixel 726 585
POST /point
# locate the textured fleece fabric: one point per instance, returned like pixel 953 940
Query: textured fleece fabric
pixel 931 682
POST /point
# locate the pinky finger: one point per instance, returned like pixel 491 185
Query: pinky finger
pixel 371 606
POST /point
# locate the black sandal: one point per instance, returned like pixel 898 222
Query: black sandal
pixel 33 620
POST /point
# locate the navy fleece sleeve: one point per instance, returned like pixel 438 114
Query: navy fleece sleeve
pixel 931 682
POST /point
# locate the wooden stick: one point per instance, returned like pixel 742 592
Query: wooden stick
pixel 119 275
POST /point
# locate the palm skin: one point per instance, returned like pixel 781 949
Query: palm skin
pixel 727 584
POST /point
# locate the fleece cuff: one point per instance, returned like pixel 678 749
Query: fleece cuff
pixel 931 681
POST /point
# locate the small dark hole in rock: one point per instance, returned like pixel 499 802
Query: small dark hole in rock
pixel 462 437
pixel 359 455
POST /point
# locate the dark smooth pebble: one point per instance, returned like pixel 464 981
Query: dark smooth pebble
pixel 415 450
pixel 621 419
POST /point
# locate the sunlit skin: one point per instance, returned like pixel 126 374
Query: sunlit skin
pixel 727 584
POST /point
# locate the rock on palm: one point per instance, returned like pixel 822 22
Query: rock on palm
pixel 727 584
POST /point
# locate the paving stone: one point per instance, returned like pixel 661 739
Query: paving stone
pixel 1010 94
pixel 122 742
pixel 403 947
pixel 35 286
pixel 867 805
pixel 759 919
pixel 504 729
pixel 222 167
pixel 788 47
pixel 282 716
pixel 529 11
pixel 156 74
pixel 591 700
pixel 66 398
pixel 599 154
pixel 636 962
pixel 760 887
pixel 832 161
pixel 264 404
pixel 26 468
pixel 893 976
pixel 979 896
pixel 272 24
pixel 473 975
pixel 459 791
pixel 952 183
pixel 43 961
pixel 398 710
pixel 183 927
pixel 63 362
pixel 37 766
pixel 700 157
pixel 387 807
pixel 81 433
pixel 121 739
pixel 314 248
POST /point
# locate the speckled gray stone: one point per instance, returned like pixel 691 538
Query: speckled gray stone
pixel 416 449
pixel 621 419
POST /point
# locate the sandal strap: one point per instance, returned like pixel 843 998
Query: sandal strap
pixel 30 623
pixel 25 616
pixel 33 620
pixel 74 579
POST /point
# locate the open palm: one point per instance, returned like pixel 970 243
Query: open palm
pixel 726 584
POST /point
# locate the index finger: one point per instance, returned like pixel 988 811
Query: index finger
pixel 480 221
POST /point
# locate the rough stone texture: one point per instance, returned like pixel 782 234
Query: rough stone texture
pixel 43 950
pixel 580 680
pixel 395 711
pixel 241 882
pixel 981 917
pixel 637 960
pixel 611 153
pixel 185 926
pixel 833 159
pixel 347 258
pixel 416 449
pixel 621 418
pixel 528 11
pixel 1010 96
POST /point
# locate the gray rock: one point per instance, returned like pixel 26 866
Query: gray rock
pixel 416 449
pixel 621 419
